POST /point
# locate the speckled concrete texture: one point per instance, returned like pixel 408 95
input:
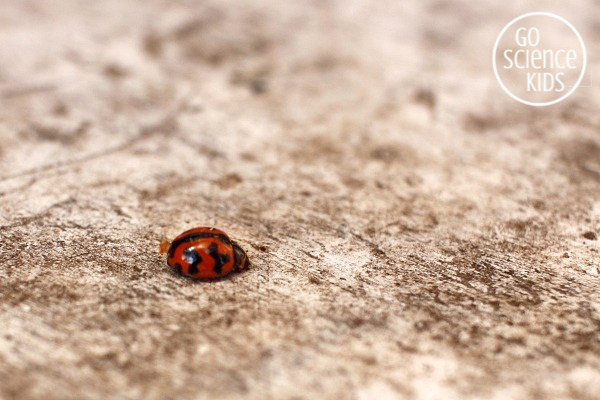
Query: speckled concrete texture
pixel 415 232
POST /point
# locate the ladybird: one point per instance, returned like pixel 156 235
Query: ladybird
pixel 204 253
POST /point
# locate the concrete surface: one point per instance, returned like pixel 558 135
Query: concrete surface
pixel 415 232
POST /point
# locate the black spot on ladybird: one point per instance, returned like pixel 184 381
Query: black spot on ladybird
pixel 192 237
pixel 178 268
pixel 193 259
pixel 220 259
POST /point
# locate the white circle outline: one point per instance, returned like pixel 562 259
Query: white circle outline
pixel 580 42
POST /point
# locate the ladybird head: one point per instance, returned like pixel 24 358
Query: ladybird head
pixel 241 259
pixel 164 245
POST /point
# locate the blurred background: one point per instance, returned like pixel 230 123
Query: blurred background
pixel 415 232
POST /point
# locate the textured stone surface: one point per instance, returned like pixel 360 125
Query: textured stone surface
pixel 415 232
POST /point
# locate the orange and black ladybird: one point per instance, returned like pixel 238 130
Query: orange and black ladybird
pixel 204 253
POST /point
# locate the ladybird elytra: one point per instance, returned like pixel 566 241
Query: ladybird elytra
pixel 204 252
